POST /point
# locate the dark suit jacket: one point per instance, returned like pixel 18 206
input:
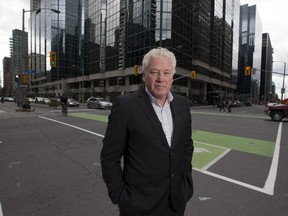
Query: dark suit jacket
pixel 150 168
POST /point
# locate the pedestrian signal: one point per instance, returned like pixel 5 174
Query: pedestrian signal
pixel 17 78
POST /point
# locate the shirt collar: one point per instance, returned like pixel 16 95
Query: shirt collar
pixel 154 100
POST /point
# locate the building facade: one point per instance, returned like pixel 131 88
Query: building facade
pixel 8 77
pixel 99 42
pixel 17 58
pixel 250 53
pixel 266 69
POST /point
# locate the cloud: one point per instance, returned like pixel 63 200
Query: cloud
pixel 11 18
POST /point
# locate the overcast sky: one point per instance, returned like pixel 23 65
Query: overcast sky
pixel 273 15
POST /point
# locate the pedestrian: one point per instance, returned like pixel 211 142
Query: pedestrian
pixel 229 106
pixel 221 105
pixel 151 130
pixel 64 101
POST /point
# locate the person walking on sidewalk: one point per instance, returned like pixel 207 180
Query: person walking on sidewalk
pixel 229 106
pixel 64 101
pixel 221 105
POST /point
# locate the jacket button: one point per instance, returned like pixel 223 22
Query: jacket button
pixel 172 175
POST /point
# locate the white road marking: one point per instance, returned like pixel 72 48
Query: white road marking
pixel 1 213
pixel 200 150
pixel 208 165
pixel 271 179
pixel 73 126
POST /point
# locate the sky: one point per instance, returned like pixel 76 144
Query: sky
pixel 273 15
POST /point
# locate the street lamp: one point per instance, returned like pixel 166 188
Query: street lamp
pixel 177 47
pixel 82 83
pixel 283 84
pixel 21 94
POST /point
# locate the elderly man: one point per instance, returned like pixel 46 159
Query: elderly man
pixel 151 130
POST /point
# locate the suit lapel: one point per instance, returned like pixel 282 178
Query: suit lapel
pixel 147 108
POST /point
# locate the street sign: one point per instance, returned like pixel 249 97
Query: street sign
pixel 25 79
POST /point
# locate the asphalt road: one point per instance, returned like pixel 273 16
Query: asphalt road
pixel 50 165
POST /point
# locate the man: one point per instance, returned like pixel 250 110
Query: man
pixel 64 101
pixel 151 130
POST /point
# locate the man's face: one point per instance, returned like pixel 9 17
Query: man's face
pixel 159 77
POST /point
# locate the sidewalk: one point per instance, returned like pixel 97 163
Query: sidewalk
pixel 8 110
pixel 254 110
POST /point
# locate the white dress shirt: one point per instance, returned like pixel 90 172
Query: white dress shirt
pixel 164 115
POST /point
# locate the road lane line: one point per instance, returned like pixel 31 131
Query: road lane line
pixel 243 184
pixel 212 162
pixel 1 213
pixel 269 184
pixel 271 179
pixel 73 126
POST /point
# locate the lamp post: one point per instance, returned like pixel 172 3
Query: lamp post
pixel 177 47
pixel 20 92
pixel 283 84
pixel 82 82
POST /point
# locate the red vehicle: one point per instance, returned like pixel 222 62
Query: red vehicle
pixel 277 112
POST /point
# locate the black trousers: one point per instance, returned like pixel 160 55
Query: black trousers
pixel 165 208
pixel 170 211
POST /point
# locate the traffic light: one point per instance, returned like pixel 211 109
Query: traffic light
pixel 17 78
pixel 247 71
pixel 193 74
pixel 136 70
pixel 53 59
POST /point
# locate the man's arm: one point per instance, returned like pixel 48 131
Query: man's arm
pixel 112 151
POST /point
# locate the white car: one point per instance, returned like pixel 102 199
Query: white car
pixel 9 99
pixel 98 103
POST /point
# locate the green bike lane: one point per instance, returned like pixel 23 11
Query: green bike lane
pixel 211 148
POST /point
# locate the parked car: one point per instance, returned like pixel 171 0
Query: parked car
pixel 31 100
pixel 38 99
pixel 72 102
pixel 9 99
pixel 46 100
pixel 277 112
pixel 236 103
pixel 98 103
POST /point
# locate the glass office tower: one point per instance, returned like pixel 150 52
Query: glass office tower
pixel 200 33
pixel 108 43
pixel 250 52
pixel 62 33
pixel 266 69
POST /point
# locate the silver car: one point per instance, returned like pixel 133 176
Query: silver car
pixel 98 103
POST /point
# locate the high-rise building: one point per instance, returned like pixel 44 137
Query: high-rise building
pixel 266 69
pixel 235 50
pixel 250 53
pixel 17 58
pixel 8 77
pixel 96 54
pixel 199 33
